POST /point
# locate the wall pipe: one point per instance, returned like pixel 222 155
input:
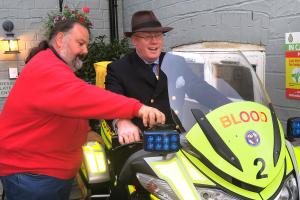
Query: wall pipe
pixel 113 20
pixel 60 2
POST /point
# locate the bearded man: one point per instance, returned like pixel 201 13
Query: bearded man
pixel 44 121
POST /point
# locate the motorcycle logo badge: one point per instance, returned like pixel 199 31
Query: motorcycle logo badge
pixel 252 138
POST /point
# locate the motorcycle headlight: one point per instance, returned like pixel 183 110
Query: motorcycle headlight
pixel 157 187
pixel 215 194
pixel 289 190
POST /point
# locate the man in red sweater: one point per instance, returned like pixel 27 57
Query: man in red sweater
pixel 44 121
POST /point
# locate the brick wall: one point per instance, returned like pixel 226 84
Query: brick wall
pixel 28 17
pixel 256 22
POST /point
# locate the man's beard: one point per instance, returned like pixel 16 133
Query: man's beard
pixel 75 63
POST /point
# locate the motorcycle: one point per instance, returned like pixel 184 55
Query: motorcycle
pixel 227 144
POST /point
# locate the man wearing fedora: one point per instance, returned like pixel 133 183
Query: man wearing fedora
pixel 138 75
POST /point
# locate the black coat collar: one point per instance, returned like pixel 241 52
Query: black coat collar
pixel 145 71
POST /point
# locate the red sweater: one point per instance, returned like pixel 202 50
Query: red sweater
pixel 44 121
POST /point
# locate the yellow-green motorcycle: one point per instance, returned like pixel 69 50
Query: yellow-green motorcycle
pixel 227 142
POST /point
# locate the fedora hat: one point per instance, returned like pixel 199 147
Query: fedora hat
pixel 145 21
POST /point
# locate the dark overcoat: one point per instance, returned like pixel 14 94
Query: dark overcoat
pixel 130 76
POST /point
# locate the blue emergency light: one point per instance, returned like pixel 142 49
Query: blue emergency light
pixel 161 141
pixel 293 127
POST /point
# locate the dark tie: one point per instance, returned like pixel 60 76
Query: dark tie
pixel 154 69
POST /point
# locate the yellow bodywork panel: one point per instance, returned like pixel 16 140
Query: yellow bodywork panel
pixel 95 163
pixel 94 156
pixel 297 155
pixel 233 122
pixel 106 134
pixel 175 174
pixel 224 183
pixel 289 164
pixel 196 176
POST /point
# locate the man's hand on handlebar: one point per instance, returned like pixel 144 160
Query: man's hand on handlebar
pixel 151 116
pixel 127 131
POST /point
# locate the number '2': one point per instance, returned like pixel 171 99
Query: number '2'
pixel 260 174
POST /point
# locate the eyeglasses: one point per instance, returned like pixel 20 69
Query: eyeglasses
pixel 150 37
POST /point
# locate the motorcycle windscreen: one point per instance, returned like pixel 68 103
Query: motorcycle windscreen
pixel 207 81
